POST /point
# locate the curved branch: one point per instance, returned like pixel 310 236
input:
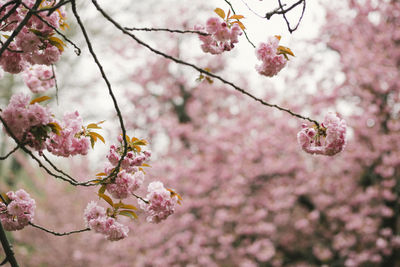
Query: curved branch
pixel 179 61
pixel 57 233
pixel 110 90
pixel 165 30
pixel 9 153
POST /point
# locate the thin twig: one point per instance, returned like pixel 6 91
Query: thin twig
pixel 9 153
pixel 165 30
pixel 55 81
pixel 179 61
pixel 110 91
pixel 53 8
pixel 284 11
pixel 56 233
pixel 12 10
pixel 56 169
pixel 142 199
pixel 245 33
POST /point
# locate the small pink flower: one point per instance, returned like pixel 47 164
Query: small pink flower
pixel 160 203
pixel 331 144
pixel 272 62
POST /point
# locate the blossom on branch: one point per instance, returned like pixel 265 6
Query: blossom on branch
pixel 96 218
pixel 18 211
pixel 28 122
pixel 328 139
pixel 221 35
pixel 273 56
pixel 35 42
pixel 161 202
pixel 69 141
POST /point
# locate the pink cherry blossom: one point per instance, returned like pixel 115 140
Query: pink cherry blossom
pixel 222 36
pixel 330 142
pixel 18 212
pixel 272 62
pixel 160 203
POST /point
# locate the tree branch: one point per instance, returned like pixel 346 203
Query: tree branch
pixel 57 233
pixel 7 248
pixel 110 91
pixel 165 30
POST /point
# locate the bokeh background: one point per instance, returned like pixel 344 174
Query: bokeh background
pixel 251 196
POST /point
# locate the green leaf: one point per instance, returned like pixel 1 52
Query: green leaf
pixel 128 213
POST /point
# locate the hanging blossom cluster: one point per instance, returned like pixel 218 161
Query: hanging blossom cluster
pixel 39 78
pixel 221 36
pixel 18 210
pixel 328 139
pixel 273 57
pixel 96 218
pixel 35 125
pixel 160 202
pixel 71 140
pixel 35 43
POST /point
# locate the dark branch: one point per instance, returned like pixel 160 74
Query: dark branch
pixel 19 27
pixel 110 91
pixel 56 233
pixel 7 248
pixel 165 30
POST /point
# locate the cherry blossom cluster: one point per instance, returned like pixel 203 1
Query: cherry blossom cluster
pixel 35 43
pixel 328 139
pixel 129 178
pixel 160 202
pixel 28 122
pixel 221 36
pixel 71 140
pixel 35 125
pixel 18 211
pixel 272 60
pixel 39 78
pixel 96 218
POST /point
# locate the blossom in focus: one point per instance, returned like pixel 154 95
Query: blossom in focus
pixel 96 219
pixel 69 141
pixel 329 139
pixel 27 121
pixel 221 36
pixel 271 56
pixel 160 202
